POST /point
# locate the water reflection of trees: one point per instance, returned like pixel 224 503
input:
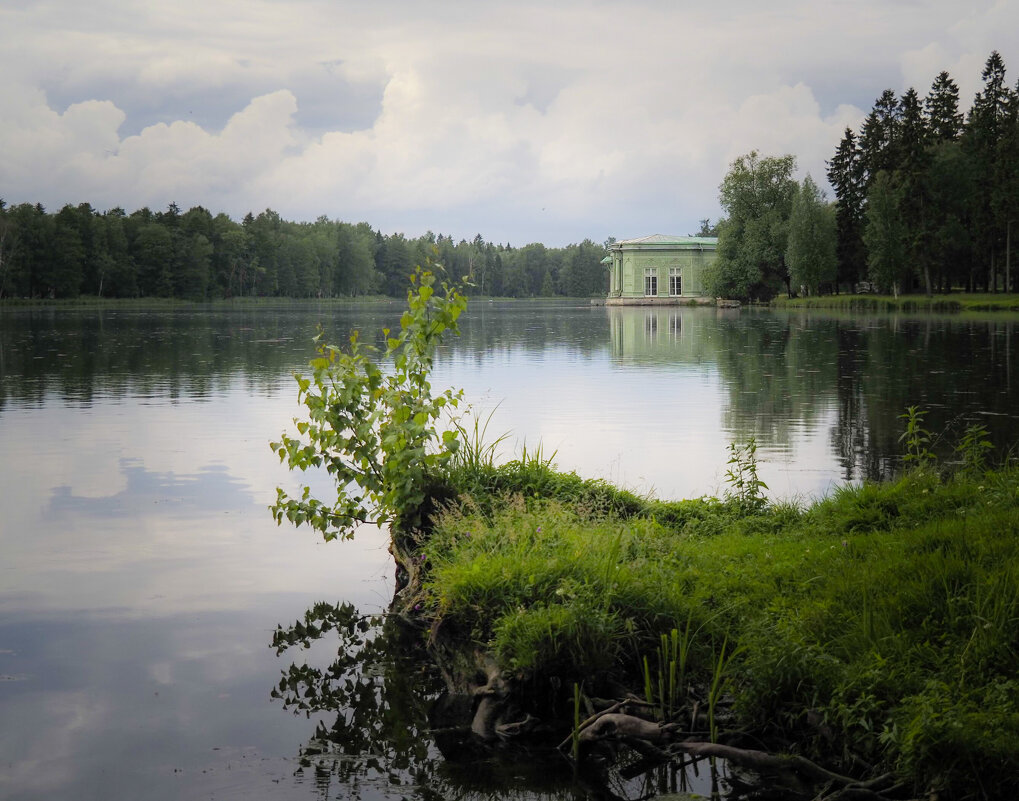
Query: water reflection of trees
pixel 381 687
pixel 490 328
pixel 777 373
pixel 190 354
pixel 393 735
pixel 957 368
pixel 795 368
pixel 186 355
pixel 855 374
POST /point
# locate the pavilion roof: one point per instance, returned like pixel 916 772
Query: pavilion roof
pixel 669 239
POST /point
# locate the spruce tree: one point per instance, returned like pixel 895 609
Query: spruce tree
pixel 845 174
pixel 984 129
pixel 910 178
pixel 1005 203
pixel 944 120
pixel 879 138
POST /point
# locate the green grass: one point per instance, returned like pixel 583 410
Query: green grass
pixel 891 609
pixel 957 301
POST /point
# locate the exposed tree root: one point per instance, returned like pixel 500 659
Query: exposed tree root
pixel 615 724
pixel 763 761
pixel 657 741
pixel 615 707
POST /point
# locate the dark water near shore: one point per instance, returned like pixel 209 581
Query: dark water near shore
pixel 141 576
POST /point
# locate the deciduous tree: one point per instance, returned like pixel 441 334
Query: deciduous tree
pixel 811 250
pixel 757 195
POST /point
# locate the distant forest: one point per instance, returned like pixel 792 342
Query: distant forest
pixel 195 255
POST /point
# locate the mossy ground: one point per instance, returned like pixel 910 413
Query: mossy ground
pixel 890 610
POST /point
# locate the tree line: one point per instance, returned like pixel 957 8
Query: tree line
pixel 195 255
pixel 926 198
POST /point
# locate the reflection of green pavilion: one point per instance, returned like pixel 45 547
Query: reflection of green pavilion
pixel 662 335
pixel 659 269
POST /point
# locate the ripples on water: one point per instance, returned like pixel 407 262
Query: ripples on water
pixel 142 576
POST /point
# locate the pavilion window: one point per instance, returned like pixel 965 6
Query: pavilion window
pixel 675 282
pixel 650 282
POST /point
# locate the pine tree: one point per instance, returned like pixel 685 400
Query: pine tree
pixel 845 174
pixel 944 120
pixel 879 138
pixel 985 127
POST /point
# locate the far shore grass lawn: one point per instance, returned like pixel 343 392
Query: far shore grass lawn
pixel 956 301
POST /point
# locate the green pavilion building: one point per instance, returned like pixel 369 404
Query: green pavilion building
pixel 659 269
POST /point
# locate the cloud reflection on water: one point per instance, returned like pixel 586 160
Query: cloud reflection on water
pixel 210 490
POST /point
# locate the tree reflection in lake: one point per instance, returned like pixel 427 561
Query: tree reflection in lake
pixel 395 734
pixel 784 373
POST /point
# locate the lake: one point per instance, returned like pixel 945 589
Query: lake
pixel 142 576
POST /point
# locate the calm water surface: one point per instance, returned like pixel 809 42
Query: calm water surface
pixel 142 577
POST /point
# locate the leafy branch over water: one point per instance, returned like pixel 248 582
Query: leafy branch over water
pixel 374 432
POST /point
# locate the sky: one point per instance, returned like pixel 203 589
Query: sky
pixel 521 121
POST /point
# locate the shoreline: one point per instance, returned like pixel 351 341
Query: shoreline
pixel 955 302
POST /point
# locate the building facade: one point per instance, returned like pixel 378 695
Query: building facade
pixel 660 269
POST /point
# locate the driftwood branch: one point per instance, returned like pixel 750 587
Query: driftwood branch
pixel 615 724
pixel 657 740
pixel 762 760
pixel 598 715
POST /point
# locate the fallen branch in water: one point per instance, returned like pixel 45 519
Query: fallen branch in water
pixel 598 715
pixel 616 724
pixel 762 760
pixel 648 738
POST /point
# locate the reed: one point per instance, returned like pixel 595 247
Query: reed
pixel 665 686
pixel 575 736
pixel 719 677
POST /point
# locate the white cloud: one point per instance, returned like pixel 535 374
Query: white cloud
pixel 510 120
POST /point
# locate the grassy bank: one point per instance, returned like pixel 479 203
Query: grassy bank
pixel 954 302
pixel 881 622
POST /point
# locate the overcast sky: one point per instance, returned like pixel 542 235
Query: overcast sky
pixel 522 121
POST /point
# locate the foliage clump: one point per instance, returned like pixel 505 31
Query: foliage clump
pixel 757 196
pixel 374 431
